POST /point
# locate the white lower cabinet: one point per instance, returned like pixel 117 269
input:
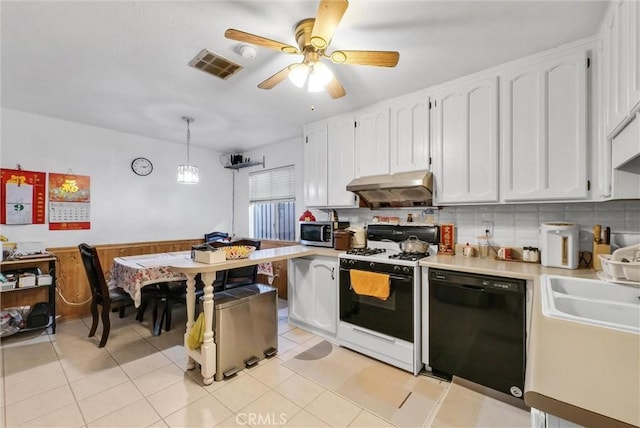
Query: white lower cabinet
pixel 313 294
pixel 544 129
pixel 540 419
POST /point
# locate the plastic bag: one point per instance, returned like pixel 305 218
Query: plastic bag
pixel 196 334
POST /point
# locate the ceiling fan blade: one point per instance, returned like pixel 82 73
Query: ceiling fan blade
pixel 241 36
pixel 327 19
pixel 335 88
pixel 275 79
pixel 375 58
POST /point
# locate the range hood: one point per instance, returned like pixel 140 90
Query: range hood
pixel 407 189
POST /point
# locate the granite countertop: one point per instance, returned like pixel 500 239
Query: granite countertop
pixel 587 374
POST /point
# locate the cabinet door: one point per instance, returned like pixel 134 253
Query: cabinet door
pixel 300 290
pixel 341 161
pixel 634 55
pixel 616 57
pixel 544 144
pixel 372 142
pixel 315 164
pixel 466 142
pixel 409 144
pixel 324 274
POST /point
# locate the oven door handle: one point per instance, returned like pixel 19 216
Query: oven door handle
pixel 400 278
pixel 371 333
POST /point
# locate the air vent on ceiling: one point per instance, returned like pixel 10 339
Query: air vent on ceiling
pixel 212 63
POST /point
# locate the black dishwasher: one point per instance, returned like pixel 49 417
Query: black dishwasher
pixel 477 329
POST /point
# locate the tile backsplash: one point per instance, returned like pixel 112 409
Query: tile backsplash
pixel 515 225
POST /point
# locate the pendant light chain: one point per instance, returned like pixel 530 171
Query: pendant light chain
pixel 188 120
pixel 188 174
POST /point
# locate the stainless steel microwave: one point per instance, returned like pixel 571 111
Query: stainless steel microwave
pixel 320 233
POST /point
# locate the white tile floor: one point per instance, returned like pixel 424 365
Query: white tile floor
pixel 137 380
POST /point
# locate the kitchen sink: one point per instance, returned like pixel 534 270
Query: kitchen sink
pixel 589 301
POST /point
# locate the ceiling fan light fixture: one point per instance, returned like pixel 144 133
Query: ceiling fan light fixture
pixel 298 74
pixel 319 76
pixel 338 57
pixel 318 42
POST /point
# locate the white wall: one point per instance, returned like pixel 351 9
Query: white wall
pixel 124 207
pixel 284 153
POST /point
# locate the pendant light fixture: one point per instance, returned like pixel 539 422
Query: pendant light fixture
pixel 188 174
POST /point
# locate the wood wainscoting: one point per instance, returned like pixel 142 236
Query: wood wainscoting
pixel 73 295
pixel 279 268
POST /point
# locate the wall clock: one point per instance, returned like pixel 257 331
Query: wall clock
pixel 142 166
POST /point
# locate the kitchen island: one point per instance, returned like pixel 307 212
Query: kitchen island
pixel 586 374
pixel 206 355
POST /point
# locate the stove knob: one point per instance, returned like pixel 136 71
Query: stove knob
pixel 372 265
pixel 352 262
pixel 406 269
pixel 396 268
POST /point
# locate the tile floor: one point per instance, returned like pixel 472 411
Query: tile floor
pixel 137 380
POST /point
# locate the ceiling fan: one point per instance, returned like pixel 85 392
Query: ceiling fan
pixel 313 37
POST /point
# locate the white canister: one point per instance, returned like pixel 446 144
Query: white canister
pixel 559 245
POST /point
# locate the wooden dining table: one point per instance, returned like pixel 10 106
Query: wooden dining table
pixel 206 354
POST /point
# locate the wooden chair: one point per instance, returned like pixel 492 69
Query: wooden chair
pixel 101 295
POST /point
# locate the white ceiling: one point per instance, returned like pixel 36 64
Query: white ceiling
pixel 124 65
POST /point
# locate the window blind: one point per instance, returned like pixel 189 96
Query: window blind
pixel 272 185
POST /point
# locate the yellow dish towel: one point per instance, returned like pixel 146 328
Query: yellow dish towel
pixel 370 283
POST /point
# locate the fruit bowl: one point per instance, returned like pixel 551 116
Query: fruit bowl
pixel 236 252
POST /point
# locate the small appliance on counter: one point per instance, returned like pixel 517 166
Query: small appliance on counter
pixel 320 233
pixel 359 238
pixel 559 245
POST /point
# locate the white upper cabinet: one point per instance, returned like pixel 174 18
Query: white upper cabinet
pixel 544 138
pixel 616 65
pixel 465 139
pixel 409 144
pixel 315 164
pixel 341 162
pixel 372 142
pixel 634 56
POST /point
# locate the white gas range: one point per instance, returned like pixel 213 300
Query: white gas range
pixel 386 329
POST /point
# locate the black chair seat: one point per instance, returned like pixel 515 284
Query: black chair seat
pixel 119 295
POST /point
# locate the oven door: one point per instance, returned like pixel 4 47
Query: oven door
pixel 393 316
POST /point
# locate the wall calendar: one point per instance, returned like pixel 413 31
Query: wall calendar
pixel 69 202
pixel 22 196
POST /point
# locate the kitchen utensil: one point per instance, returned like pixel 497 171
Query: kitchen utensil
pixel 359 238
pixel 414 245
pixel 597 230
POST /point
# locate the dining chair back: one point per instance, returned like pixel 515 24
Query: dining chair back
pixel 101 295
pixel 238 277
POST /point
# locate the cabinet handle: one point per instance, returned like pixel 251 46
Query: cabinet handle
pixel 333 270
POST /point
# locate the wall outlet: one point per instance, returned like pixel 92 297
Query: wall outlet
pixel 487 228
